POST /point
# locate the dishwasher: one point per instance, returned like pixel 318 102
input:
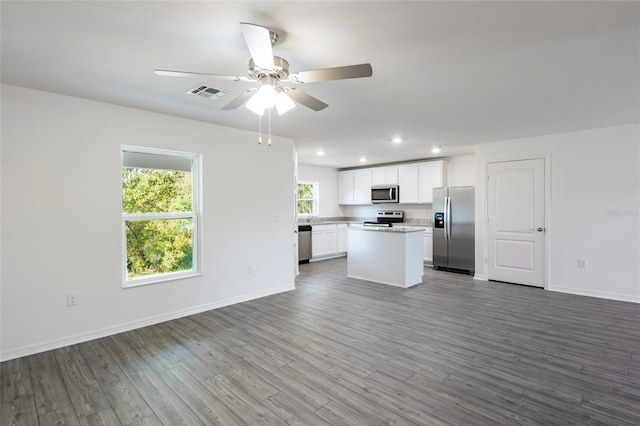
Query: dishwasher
pixel 304 243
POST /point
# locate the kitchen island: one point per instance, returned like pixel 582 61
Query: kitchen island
pixel 386 255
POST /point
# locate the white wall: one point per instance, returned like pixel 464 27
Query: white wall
pixel 461 170
pixel 327 178
pixel 595 208
pixel 61 219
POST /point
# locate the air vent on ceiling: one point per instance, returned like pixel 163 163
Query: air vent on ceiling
pixel 207 92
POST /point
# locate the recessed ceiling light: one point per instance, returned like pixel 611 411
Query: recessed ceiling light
pixel 397 139
pixel 320 153
pixel 435 149
pixel 362 159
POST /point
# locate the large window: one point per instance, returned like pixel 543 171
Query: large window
pixel 308 198
pixel 160 203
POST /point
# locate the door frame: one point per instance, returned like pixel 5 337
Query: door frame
pixel 547 210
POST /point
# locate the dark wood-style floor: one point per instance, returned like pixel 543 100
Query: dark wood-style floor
pixel 346 352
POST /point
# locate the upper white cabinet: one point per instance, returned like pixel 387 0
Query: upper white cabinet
pixel 430 175
pixel 362 186
pixel 408 183
pixel 416 182
pixel 384 176
pixel 345 187
pixel 354 187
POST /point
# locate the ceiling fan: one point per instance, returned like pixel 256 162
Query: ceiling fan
pixel 269 71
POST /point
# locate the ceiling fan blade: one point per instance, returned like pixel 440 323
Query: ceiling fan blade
pixel 306 99
pixel 170 73
pixel 239 100
pixel 259 43
pixel 336 73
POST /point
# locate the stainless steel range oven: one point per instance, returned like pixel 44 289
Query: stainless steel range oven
pixel 386 218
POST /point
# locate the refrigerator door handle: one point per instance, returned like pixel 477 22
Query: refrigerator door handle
pixel 447 217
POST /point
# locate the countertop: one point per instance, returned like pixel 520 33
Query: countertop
pixel 400 230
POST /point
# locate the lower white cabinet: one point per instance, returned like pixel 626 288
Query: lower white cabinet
pixel 323 240
pixel 328 240
pixel 341 237
pixel 427 241
pixel 428 246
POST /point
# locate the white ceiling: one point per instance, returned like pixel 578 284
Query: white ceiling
pixel 453 73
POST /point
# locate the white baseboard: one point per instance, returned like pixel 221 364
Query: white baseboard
pixel 108 331
pixel 592 293
pixel 327 257
pixel 480 277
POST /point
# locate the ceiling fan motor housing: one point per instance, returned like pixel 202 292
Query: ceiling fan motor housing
pixel 280 72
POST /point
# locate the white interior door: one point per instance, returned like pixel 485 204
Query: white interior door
pixel 516 228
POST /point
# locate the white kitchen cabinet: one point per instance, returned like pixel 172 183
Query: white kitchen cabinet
pixel 328 241
pixel 345 187
pixel 354 187
pixel 430 175
pixel 362 186
pixel 341 237
pixel 428 246
pixel 323 240
pixel 408 183
pixel 384 176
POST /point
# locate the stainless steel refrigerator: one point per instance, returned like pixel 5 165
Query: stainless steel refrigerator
pixel 454 228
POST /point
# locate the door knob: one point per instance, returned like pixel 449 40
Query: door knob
pixel 540 229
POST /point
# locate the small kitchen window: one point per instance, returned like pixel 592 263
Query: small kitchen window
pixel 160 215
pixel 307 198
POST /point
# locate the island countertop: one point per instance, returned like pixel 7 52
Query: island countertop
pixel 387 229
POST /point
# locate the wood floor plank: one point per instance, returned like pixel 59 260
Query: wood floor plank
pixel 125 355
pixel 84 390
pixel 306 395
pixel 206 406
pixel 242 404
pixel 148 421
pixel 61 416
pixel 15 379
pixel 102 418
pixel 49 388
pixel 169 408
pixel 289 409
pixel 126 401
pixel 19 411
pixel 335 413
pixel 149 351
pixel 355 401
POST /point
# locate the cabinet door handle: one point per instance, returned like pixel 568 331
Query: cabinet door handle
pixel 540 229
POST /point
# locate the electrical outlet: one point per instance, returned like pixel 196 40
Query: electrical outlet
pixel 582 263
pixel 250 269
pixel 72 299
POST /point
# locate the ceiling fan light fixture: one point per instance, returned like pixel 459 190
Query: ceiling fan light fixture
pixel 284 103
pixel 267 96
pixel 254 104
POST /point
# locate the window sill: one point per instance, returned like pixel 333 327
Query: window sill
pixel 160 279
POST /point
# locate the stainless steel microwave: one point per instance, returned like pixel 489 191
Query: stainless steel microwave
pixel 385 194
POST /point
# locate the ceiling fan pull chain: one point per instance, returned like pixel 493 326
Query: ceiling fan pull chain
pixel 259 130
pixel 269 140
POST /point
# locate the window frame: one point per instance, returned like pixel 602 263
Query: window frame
pixel 314 200
pixel 195 216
